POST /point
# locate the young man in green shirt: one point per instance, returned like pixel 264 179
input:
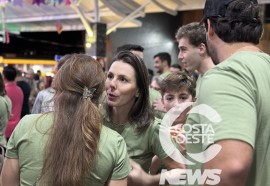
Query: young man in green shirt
pixel 193 52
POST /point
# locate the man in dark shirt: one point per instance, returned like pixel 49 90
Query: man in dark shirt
pixel 26 92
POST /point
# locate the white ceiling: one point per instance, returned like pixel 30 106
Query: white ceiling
pixel 116 13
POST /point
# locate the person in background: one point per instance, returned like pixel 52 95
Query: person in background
pixel 69 146
pixel 26 93
pixel 128 111
pixel 16 96
pixel 162 62
pixel 5 111
pixel 156 83
pixel 193 52
pixel 37 78
pixel 175 68
pixel 48 81
pixel 44 100
pixel 135 49
pixel 237 90
pixel 29 78
pixel 151 74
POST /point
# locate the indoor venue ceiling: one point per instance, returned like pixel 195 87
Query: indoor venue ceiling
pixel 79 14
pixel 115 13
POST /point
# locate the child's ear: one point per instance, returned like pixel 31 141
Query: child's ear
pixel 194 99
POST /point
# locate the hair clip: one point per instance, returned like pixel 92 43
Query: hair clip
pixel 88 93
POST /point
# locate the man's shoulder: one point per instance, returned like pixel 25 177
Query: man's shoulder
pixel 241 62
pixel 164 75
pixel 23 83
pixel 45 92
pixel 14 90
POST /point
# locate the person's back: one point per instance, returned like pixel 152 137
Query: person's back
pixel 249 71
pixel 68 146
pixel 26 94
pixel 16 95
pixel 28 144
pixel 233 97
pixel 44 101
pixel 253 87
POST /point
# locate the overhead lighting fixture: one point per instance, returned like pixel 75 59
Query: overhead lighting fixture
pixel 88 45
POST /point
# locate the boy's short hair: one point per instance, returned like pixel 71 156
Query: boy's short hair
pixel 176 81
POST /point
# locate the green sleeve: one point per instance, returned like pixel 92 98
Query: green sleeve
pixel 155 142
pixel 232 98
pixel 122 165
pixel 13 142
pixel 153 95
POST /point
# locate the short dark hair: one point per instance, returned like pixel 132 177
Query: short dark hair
pixel 130 47
pixel 176 81
pixel 240 22
pixel 164 56
pixel 141 113
pixel 10 72
pixel 176 66
pixel 194 32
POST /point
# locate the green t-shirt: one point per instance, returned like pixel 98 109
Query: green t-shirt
pixel 5 111
pixel 154 95
pixel 164 75
pixel 27 144
pixel 238 89
pixel 198 85
pixel 141 146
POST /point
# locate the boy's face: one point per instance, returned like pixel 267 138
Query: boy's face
pixel 172 98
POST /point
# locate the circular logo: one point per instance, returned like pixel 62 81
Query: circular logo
pixel 196 133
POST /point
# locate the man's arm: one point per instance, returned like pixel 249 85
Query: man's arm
pixel 234 160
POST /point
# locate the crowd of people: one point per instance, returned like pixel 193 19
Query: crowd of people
pixel 96 128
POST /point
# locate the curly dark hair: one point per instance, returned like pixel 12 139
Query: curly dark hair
pixel 241 23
